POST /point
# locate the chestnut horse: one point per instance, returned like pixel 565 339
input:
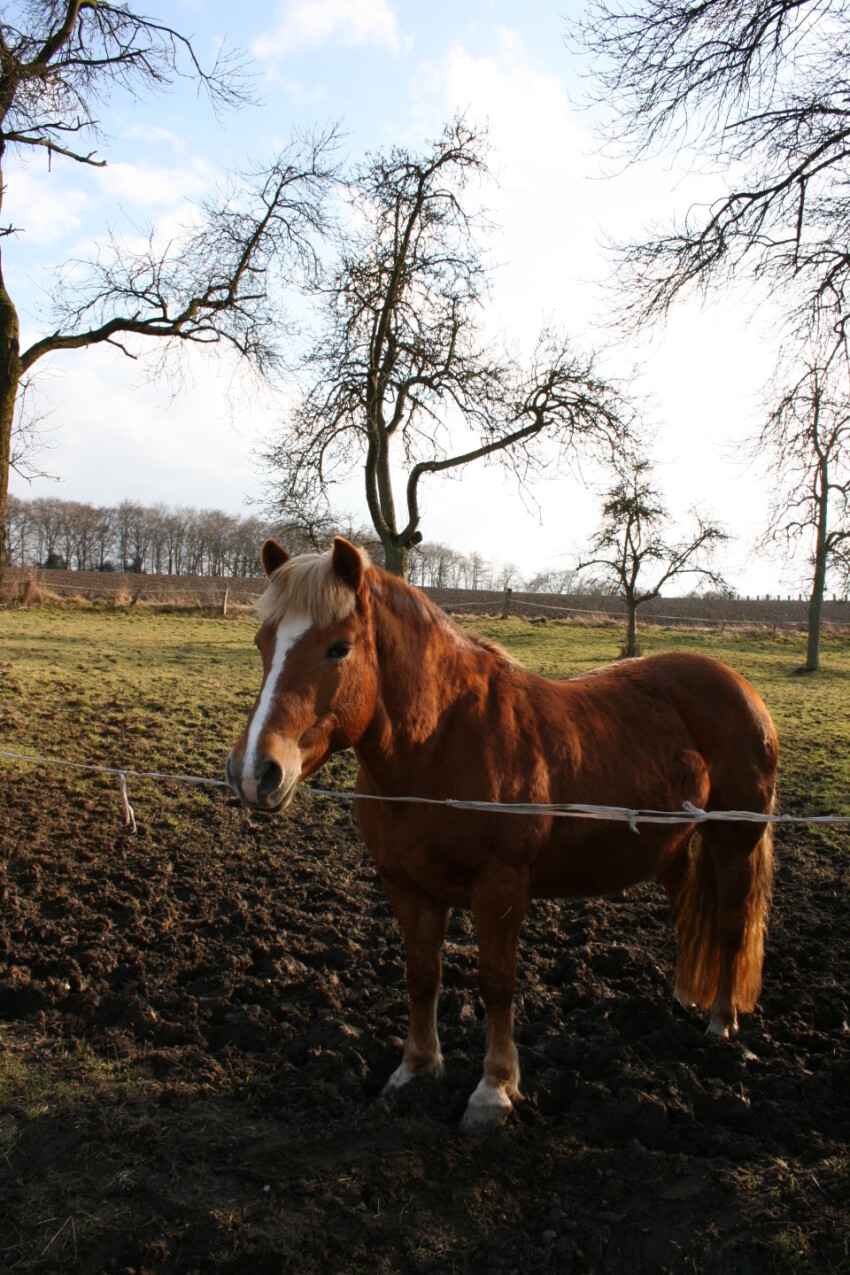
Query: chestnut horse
pixel 353 657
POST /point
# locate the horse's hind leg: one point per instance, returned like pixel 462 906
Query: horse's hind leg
pixel 424 930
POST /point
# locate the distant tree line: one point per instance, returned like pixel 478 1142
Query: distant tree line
pixel 157 539
pixel 160 540
pixel 438 566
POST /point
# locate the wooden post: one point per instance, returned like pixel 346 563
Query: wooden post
pixel 506 605
pixel 224 603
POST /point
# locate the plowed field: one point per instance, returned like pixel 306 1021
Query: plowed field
pixel 196 1021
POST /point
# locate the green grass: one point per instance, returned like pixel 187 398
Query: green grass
pixel 154 691
pixel 134 687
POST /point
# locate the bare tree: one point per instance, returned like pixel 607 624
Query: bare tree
pixel 150 538
pixel 757 88
pixel 507 575
pixel 436 565
pixel 562 581
pixel 806 440
pixel 48 518
pixel 478 571
pixel 78 531
pixel 103 539
pixel 631 551
pixel 400 360
pixel 59 64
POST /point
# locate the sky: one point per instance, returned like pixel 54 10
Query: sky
pixel 393 71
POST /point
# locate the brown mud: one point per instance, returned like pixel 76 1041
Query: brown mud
pixel 195 1031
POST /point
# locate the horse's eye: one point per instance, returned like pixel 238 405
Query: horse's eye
pixel 338 650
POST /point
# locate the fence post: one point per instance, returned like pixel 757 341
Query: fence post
pixel 506 605
pixel 224 603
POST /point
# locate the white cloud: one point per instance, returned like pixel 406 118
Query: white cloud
pixel 316 22
pixel 553 206
pixel 546 233
pixel 43 206
pixel 142 186
pixel 121 438
pixel 151 133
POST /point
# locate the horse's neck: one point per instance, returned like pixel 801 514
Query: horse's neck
pixel 425 665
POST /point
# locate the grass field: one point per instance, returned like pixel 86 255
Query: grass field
pixel 169 691
pixel 153 1086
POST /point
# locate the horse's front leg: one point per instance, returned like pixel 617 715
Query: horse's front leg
pixel 424 930
pixel 499 903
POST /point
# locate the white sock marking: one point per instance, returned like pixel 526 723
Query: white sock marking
pixel 488 1097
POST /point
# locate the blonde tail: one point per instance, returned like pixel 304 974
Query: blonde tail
pixel 697 932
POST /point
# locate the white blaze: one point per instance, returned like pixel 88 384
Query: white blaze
pixel 288 633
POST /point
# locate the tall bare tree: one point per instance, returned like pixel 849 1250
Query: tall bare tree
pixel 400 362
pixel 556 581
pixel 806 440
pixel 631 551
pixel 759 90
pixel 60 62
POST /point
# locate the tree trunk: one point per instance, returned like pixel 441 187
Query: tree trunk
pixel 812 664
pixel 813 644
pixel 631 628
pixel 10 375
pixel 395 557
pixel 379 498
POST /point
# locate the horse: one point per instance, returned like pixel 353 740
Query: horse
pixel 354 657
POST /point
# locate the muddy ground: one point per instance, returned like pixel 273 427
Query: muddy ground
pixel 196 1029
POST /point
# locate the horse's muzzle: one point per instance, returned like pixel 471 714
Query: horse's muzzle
pixel 268 788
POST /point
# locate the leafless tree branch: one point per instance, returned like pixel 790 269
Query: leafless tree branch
pixel 758 90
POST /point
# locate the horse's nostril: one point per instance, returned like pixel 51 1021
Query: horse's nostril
pixel 269 777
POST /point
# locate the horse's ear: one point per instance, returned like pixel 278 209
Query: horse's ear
pixel 273 556
pixel 347 562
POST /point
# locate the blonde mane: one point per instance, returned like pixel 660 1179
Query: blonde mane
pixel 308 585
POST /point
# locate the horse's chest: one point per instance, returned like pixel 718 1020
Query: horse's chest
pixel 428 877
pixel 438 855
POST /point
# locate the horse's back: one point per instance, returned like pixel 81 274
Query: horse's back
pixel 728 721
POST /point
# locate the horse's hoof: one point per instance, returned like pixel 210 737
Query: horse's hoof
pixel 720 1029
pixel 684 1000
pixel 488 1108
pixel 404 1073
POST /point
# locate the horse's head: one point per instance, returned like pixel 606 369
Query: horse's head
pixel 319 671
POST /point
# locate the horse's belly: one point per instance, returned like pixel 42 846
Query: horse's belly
pixel 601 861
